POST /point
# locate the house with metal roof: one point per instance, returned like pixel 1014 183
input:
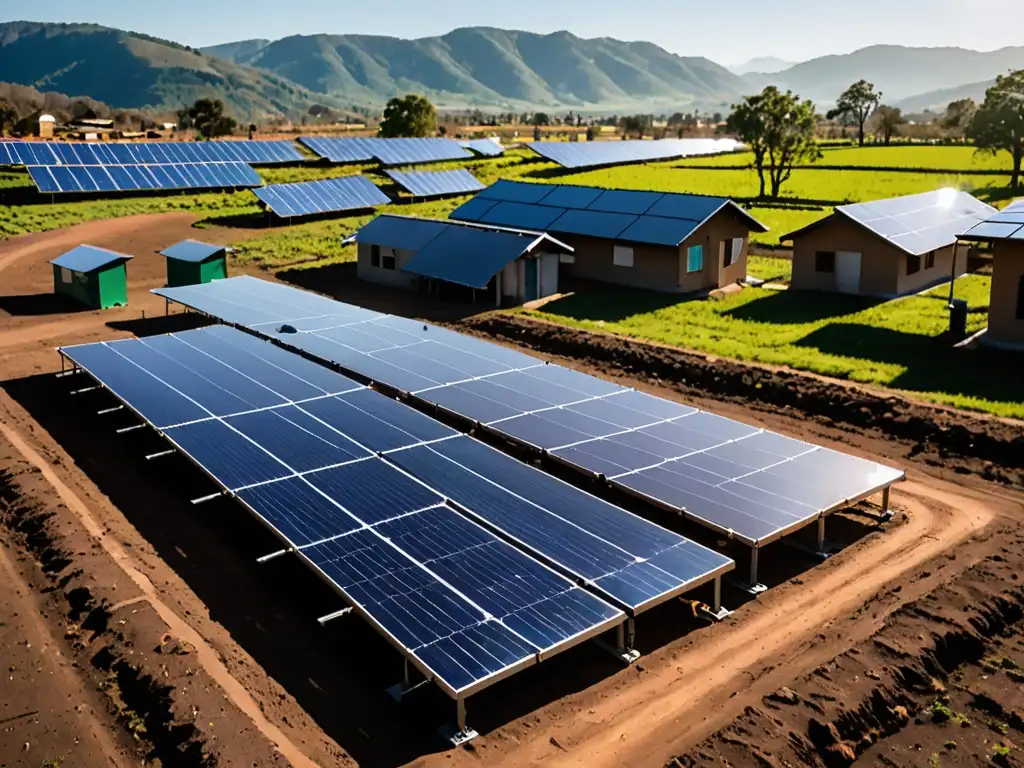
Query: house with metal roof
pixel 886 248
pixel 1004 231
pixel 191 262
pixel 94 276
pixel 509 266
pixel 655 240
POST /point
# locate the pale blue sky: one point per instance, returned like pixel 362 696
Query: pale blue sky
pixel 728 32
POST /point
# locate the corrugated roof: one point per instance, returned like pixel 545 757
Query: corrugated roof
pixel 87 258
pixel 192 250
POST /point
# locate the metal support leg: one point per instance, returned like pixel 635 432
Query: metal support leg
pixel 398 691
pixel 460 733
pixel 886 512
pixel 754 587
pixel 716 607
pixel 821 535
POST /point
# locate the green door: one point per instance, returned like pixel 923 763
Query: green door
pixel 530 289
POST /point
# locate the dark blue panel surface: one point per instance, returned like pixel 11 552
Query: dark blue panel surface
pixel 348 193
pixel 522 216
pixel 297 439
pixel 373 490
pixel 399 232
pixel 625 201
pixel 230 457
pixel 655 230
pixel 697 208
pixel 592 223
pixel 468 404
pixel 436 183
pixel 516 191
pixel 298 511
pixel 467 256
pixel 566 196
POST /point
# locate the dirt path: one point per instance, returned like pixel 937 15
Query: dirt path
pixel 642 725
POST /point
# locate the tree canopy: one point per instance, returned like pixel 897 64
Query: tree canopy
pixel 8 116
pixel 409 116
pixel 887 121
pixel 856 104
pixel 959 115
pixel 998 125
pixel 779 129
pixel 207 115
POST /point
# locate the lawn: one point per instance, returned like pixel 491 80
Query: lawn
pixel 893 344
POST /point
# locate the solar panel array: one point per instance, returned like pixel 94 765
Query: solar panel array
pixel 385 151
pixel 121 178
pixel 920 223
pixel 485 147
pixel 654 218
pixel 148 153
pixel 750 483
pixel 348 193
pixel 593 154
pixel 436 183
pixel 1007 224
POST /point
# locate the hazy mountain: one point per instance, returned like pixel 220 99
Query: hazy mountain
pixel 761 65
pixel 899 72
pixel 239 51
pixel 129 70
pixel 492 67
pixel 937 101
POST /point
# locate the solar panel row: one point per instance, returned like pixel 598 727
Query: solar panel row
pixel 436 183
pixel 485 147
pixel 746 482
pixel 348 193
pixel 1007 224
pixel 385 151
pixel 597 153
pixel 118 178
pixel 148 153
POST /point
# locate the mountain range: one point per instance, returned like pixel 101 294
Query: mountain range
pixel 475 67
pixel 765 65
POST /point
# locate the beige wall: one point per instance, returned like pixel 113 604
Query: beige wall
pixel 722 228
pixel 926 278
pixel 395 278
pixel 1007 271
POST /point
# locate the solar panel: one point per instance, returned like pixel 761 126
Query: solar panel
pixel 521 216
pixel 402 233
pixel 148 153
pixel 408 151
pixel 466 606
pixel 751 484
pixel 348 193
pixel 485 147
pixel 920 223
pixel 1007 224
pixel 599 153
pixel 123 178
pixel 467 256
pixel 436 183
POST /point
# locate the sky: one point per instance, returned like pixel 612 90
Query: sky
pixel 728 32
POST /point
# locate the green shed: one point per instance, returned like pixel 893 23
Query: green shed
pixel 95 276
pixel 192 263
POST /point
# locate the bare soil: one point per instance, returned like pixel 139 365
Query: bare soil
pixel 161 640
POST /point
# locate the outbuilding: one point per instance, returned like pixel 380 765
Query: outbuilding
pixel 886 248
pixel 509 266
pixel 1005 232
pixel 94 276
pixel 191 262
pixel 47 124
pixel 654 240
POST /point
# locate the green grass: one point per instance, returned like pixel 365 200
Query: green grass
pixel 772 269
pixel 914 156
pixel 895 344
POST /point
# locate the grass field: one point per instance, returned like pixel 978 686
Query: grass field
pixel 897 156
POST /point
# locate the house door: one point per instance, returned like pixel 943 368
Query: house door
pixel 847 272
pixel 530 289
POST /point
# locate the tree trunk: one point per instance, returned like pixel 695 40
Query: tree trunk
pixel 888 138
pixel 860 134
pixel 760 178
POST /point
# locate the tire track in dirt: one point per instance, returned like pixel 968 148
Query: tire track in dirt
pixel 643 724
pixel 207 656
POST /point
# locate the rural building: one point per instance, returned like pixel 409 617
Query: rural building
pixel 47 124
pixel 94 276
pixel 886 248
pixel 1005 232
pixel 654 240
pixel 191 263
pixel 512 266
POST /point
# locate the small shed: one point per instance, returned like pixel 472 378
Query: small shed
pixel 191 262
pixel 47 123
pixel 94 276
pixel 511 266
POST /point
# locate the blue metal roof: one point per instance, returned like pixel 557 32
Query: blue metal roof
pixel 87 258
pixel 192 250
pixel 400 232
pixel 468 256
pixel 1007 224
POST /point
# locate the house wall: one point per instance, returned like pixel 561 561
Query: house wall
pixel 926 278
pixel 719 230
pixel 395 278
pixel 1007 273
pixel 78 285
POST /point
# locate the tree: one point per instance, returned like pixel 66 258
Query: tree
pixel 637 124
pixel 857 103
pixel 888 121
pixel 779 130
pixel 959 115
pixel 540 118
pixel 999 122
pixel 411 115
pixel 8 116
pixel 207 115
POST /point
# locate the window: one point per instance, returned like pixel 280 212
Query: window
pixel 375 255
pixel 567 258
pixel 695 258
pixel 622 256
pixel 731 251
pixel 913 265
pixel 65 275
pixel 825 261
pixel 1019 315
pixel 388 260
pixel 929 261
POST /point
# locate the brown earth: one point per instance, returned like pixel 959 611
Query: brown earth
pixel 160 637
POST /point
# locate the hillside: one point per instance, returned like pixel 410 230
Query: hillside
pixel 133 71
pixel 899 72
pixel 761 65
pixel 481 66
pixel 937 101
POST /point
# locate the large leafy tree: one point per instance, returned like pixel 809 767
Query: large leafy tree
pixel 8 116
pixel 857 104
pixel 887 121
pixel 207 115
pixel 779 129
pixel 958 115
pixel 998 124
pixel 409 116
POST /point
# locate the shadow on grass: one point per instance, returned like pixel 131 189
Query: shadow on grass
pixel 798 307
pixel 931 363
pixel 993 194
pixel 596 302
pixel 41 304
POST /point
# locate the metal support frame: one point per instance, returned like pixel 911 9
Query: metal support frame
pixel 336 615
pixel 753 586
pixel 458 734
pixel 716 607
pixel 110 410
pixel 886 511
pixel 625 635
